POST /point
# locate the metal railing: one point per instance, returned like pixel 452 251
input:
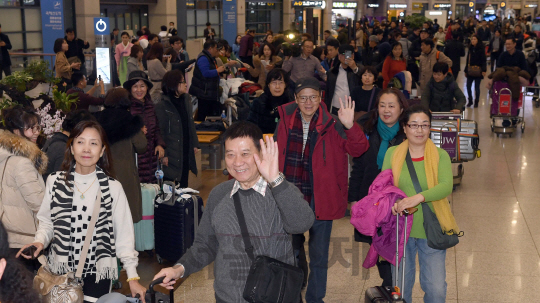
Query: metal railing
pixel 20 60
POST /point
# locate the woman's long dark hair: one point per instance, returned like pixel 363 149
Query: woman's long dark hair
pixel 16 282
pixel 155 52
pixel 371 123
pixel 479 44
pixel 391 54
pixel 105 162
pixel 272 50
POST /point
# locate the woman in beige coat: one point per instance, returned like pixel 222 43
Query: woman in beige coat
pixel 263 63
pixel 21 186
pixel 63 68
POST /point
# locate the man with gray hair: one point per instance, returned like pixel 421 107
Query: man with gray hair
pixel 371 56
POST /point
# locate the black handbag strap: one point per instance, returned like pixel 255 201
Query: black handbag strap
pixel 412 172
pixel 243 227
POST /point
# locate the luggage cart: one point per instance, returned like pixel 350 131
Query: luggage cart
pixel 535 96
pixel 507 118
pixel 462 145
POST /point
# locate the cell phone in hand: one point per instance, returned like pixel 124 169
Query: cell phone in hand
pixel 348 54
pixel 99 78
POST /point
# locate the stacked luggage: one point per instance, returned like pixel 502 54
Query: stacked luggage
pixel 169 222
pixel 458 137
pixel 505 109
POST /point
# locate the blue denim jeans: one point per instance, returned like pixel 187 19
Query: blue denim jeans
pixel 432 271
pixel 319 243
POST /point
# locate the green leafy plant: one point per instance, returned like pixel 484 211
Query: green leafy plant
pixel 5 103
pixel 17 80
pixel 39 70
pixel 63 101
pixel 416 20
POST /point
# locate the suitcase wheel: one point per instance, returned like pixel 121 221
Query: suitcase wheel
pixel 159 259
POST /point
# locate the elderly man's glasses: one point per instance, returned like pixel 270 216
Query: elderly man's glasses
pixel 304 99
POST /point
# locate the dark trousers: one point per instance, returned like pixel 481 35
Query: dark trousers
pixel 319 243
pixel 91 289
pixel 208 108
pixel 494 59
pixel 476 81
pixel 248 60
pixel 455 71
pixel 6 70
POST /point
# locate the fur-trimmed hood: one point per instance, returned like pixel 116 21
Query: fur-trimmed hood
pixel 18 146
pixel 119 124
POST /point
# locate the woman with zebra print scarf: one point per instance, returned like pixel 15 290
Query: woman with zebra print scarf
pixel 67 209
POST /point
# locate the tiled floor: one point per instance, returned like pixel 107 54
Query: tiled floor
pixel 497 206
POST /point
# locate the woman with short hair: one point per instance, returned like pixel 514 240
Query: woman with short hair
pixel 135 59
pixel 175 117
pixel 64 69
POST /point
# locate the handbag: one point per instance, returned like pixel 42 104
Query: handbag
pixel 436 239
pixel 269 280
pixel 66 288
pixel 474 71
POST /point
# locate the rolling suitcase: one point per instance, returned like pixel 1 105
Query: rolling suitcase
pixel 384 294
pixel 175 226
pixel 144 229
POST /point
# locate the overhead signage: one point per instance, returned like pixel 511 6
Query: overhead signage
pixel 435 13
pixel 229 20
pixel 503 4
pixel 344 4
pixel 471 4
pixel 101 26
pixel 442 5
pixel 417 5
pixel 531 5
pixel 373 5
pixel 307 3
pixel 397 6
pixel 52 23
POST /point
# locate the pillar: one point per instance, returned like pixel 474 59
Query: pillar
pixel 288 14
pixel 327 15
pixel 85 12
pixel 241 17
pixel 161 13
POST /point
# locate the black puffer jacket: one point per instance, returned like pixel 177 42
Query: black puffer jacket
pixel 202 87
pixel 353 81
pixel 55 147
pixel 171 126
pixel 440 96
pixel 264 111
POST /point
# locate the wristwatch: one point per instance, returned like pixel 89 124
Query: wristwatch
pixel 277 181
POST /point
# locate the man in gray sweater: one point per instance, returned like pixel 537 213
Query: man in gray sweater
pixel 273 208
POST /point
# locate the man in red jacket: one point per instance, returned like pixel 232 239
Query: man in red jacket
pixel 313 147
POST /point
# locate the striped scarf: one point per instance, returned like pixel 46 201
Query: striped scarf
pixel 61 215
pixel 297 162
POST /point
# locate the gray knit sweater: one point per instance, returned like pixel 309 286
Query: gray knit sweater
pixel 270 221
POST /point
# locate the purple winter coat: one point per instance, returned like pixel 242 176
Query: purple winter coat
pixel 147 162
pixel 372 216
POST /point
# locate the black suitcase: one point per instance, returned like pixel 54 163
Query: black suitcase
pixel 388 294
pixel 175 226
pixel 152 296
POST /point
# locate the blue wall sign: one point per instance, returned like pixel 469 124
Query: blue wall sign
pixel 52 23
pixel 229 21
pixel 101 26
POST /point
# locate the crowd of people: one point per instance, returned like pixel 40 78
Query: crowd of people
pixel 348 97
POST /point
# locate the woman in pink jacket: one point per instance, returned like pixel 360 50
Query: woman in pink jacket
pixel 121 55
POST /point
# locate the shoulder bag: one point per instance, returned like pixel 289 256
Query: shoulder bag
pixel 436 239
pixel 269 280
pixel 66 288
pixel 474 71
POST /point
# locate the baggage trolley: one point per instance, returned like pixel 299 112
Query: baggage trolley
pixel 535 96
pixel 507 118
pixel 461 144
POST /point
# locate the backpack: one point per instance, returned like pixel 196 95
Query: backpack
pixel 449 69
pixel 249 87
